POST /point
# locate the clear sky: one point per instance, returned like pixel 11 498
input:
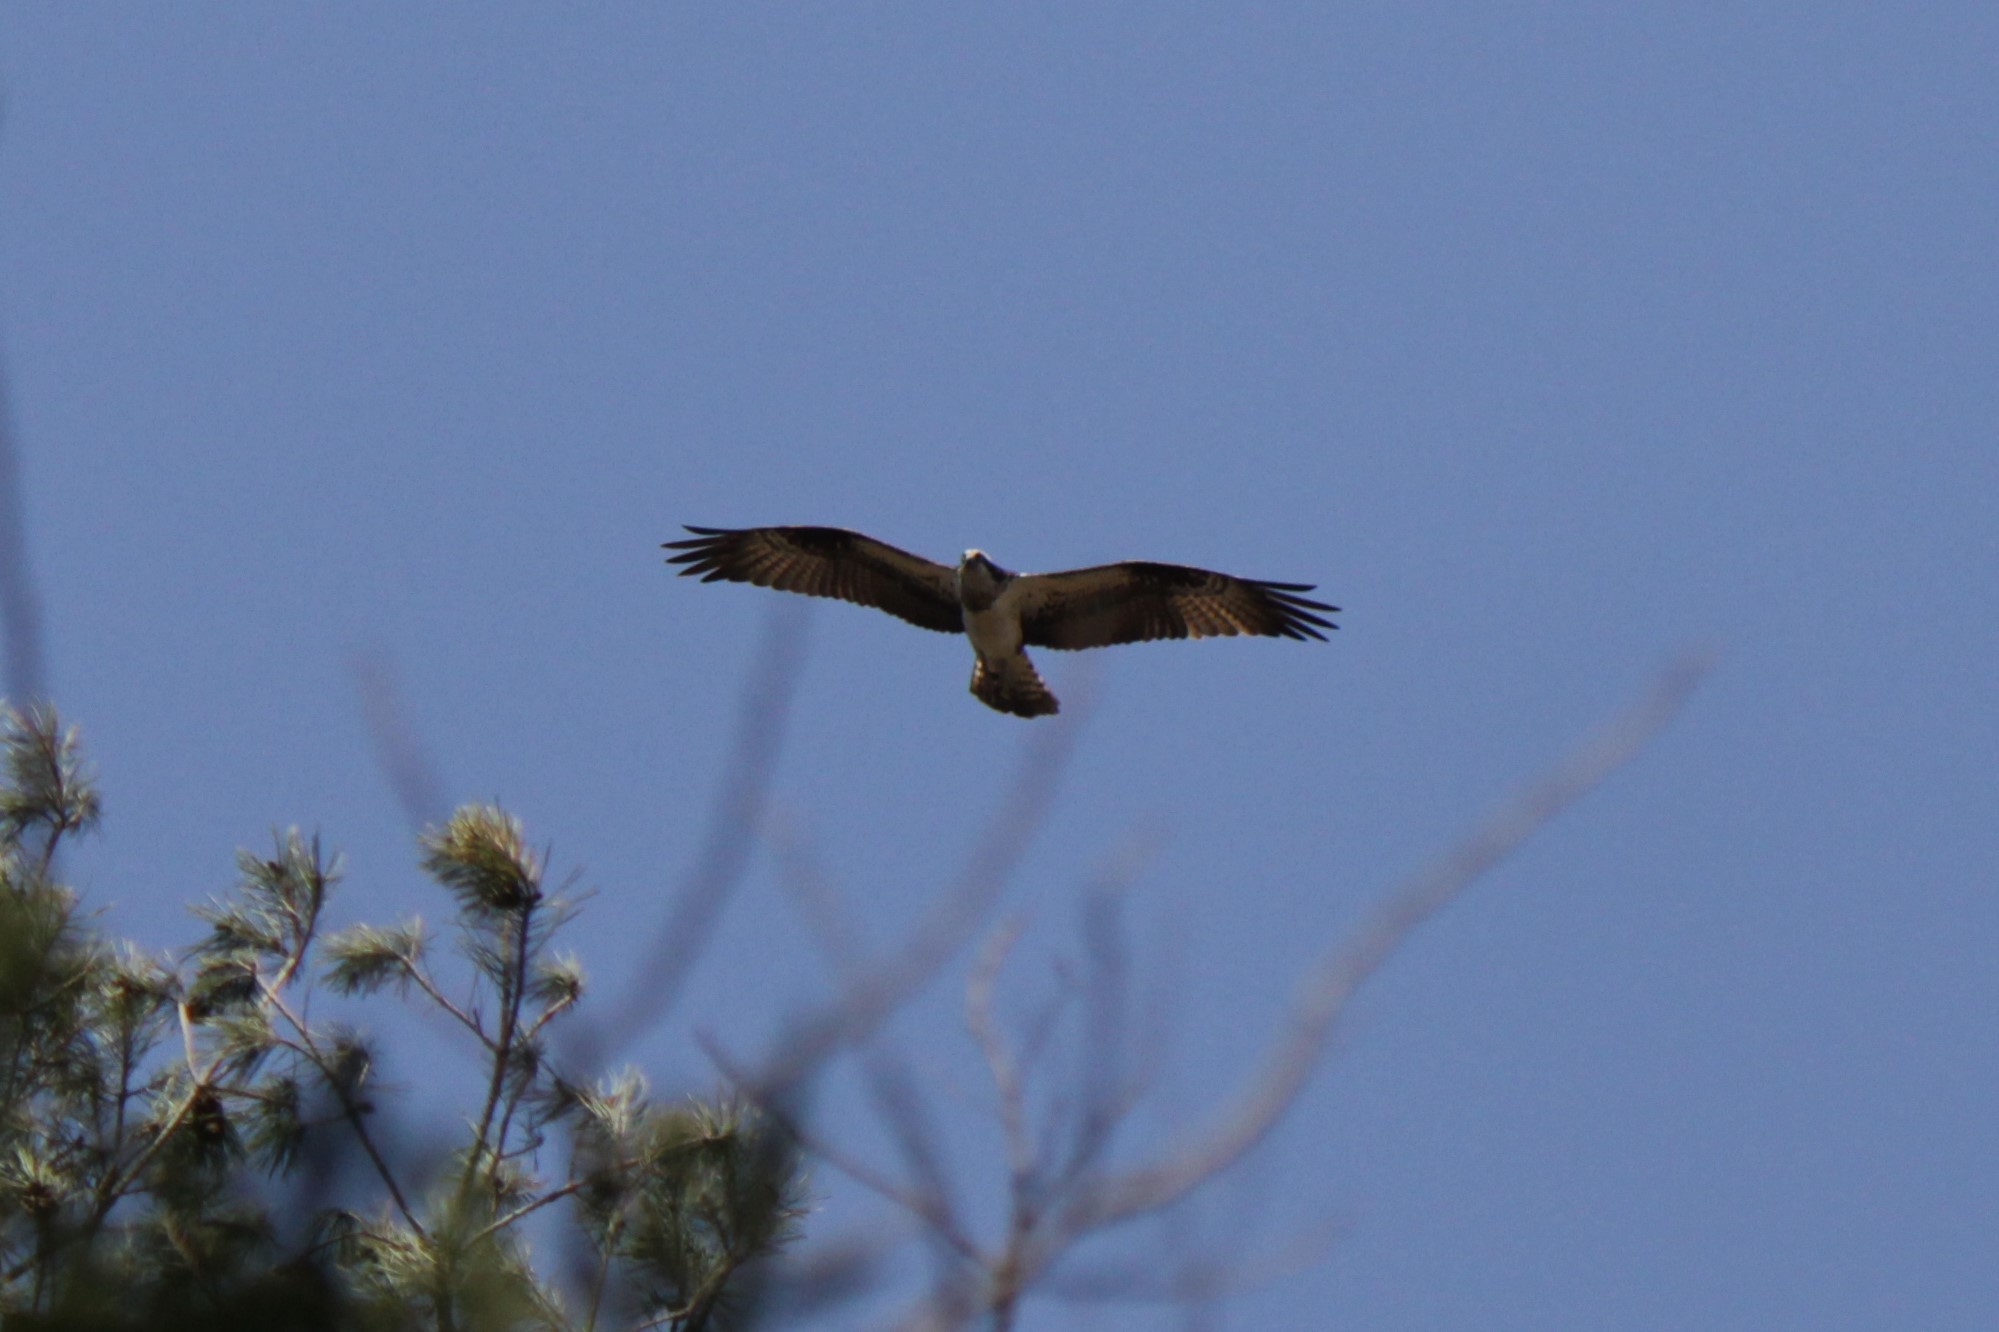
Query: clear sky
pixel 1548 339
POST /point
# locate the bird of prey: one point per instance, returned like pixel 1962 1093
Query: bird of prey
pixel 1000 611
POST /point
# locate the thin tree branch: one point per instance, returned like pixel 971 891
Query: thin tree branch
pixel 526 1209
pixel 470 1022
pixel 1000 1062
pixel 348 1109
pixel 761 724
pixel 928 1207
pixel 511 998
pixel 1330 987
pixel 1082 1202
pixel 405 759
pixel 25 671
pixel 1109 1091
pixel 932 942
pixel 1144 1278
pixel 889 1084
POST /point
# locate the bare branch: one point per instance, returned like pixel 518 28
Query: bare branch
pixel 513 992
pixel 928 1206
pixel 1000 1062
pixel 935 939
pixel 804 877
pixel 761 724
pixel 466 1019
pixel 901 1105
pixel 1080 1201
pixel 1144 1277
pixel 25 673
pixel 893 1091
pixel 1353 962
pixel 1108 1089
pixel 405 759
pixel 355 1114
pixel 534 1205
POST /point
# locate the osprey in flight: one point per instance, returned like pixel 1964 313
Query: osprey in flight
pixel 1000 611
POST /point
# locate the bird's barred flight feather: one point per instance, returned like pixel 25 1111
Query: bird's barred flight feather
pixel 826 562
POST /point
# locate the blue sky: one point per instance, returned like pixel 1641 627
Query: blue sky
pixel 1547 339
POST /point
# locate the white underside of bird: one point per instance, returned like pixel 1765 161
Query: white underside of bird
pixel 1003 677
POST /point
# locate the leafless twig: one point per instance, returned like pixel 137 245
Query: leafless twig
pixel 933 941
pixel 404 757
pixel 1057 1202
pixel 20 610
pixel 1351 963
pixel 760 730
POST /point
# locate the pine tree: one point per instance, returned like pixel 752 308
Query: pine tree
pixel 171 1131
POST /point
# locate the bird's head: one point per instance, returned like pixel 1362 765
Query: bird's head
pixel 979 579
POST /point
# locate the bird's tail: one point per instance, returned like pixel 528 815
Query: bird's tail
pixel 1010 684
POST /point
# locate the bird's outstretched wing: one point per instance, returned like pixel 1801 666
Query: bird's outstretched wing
pixel 1139 600
pixel 826 562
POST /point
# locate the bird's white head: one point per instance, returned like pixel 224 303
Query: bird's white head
pixel 979 579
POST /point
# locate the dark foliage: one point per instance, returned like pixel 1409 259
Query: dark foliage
pixel 174 1134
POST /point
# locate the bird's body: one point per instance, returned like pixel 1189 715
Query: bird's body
pixel 1002 676
pixel 1000 612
